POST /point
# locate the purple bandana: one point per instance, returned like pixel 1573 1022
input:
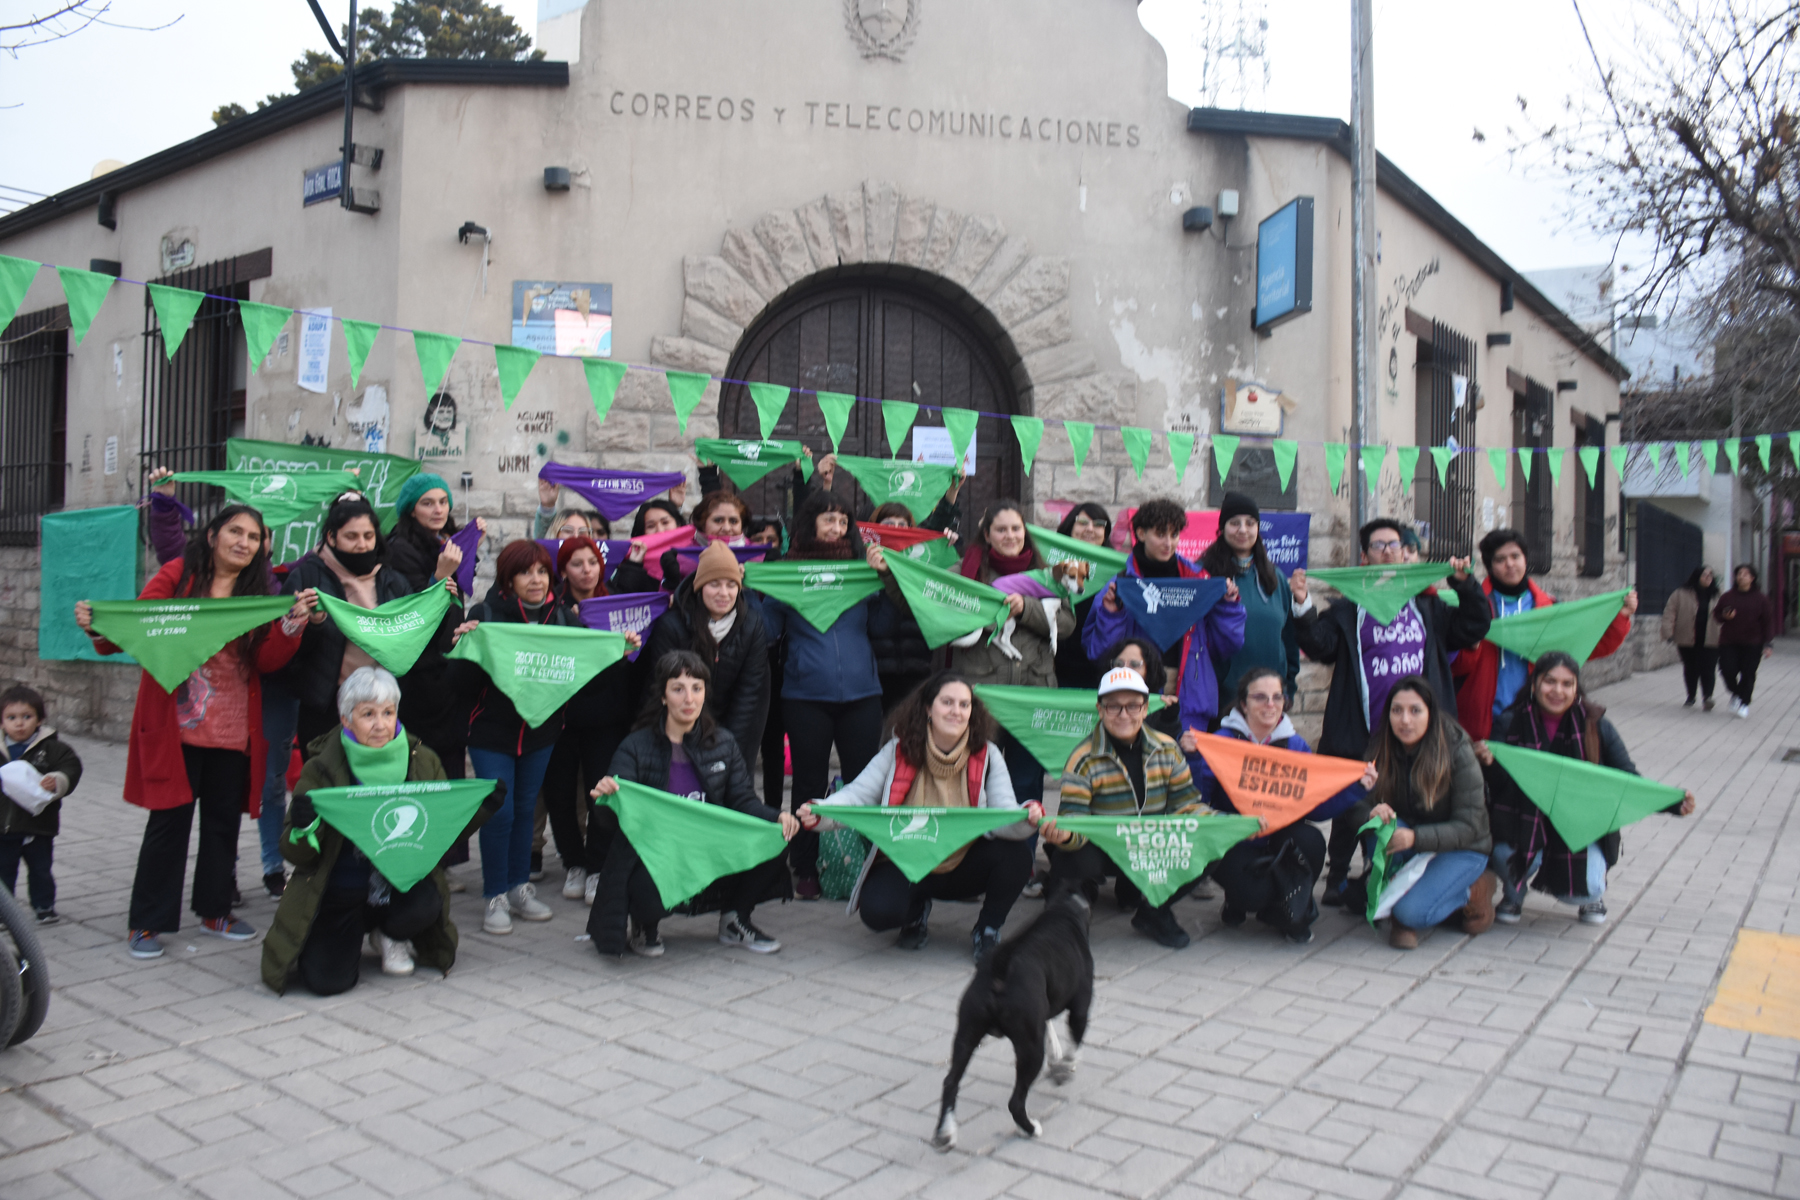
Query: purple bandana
pixel 633 612
pixel 468 540
pixel 613 493
pixel 688 557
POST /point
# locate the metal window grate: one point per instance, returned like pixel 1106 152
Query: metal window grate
pixel 1533 426
pixel 1451 508
pixel 34 409
pixel 1590 503
pixel 195 401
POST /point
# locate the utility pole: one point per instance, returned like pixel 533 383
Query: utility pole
pixel 1362 244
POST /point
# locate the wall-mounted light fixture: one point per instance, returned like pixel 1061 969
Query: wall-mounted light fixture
pixel 556 179
pixel 471 229
pixel 106 266
pixel 107 212
pixel 1499 339
pixel 1506 296
pixel 1566 385
pixel 1197 220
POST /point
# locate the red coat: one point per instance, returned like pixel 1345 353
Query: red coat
pixel 155 772
pixel 1477 671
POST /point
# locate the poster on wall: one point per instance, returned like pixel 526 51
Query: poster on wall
pixel 444 433
pixel 553 317
pixel 315 348
pixel 932 445
pixel 1247 407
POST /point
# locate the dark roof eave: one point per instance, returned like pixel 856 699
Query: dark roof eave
pixel 284 114
pixel 1397 183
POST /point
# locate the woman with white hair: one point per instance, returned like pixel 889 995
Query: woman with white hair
pixel 336 896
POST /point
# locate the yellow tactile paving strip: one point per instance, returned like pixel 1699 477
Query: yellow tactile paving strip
pixel 1760 990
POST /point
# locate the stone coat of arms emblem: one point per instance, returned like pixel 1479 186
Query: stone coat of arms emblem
pixel 882 28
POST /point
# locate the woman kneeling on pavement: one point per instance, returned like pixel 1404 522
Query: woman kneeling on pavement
pixel 1556 717
pixel 677 747
pixel 1273 875
pixel 1428 779
pixel 336 896
pixel 942 755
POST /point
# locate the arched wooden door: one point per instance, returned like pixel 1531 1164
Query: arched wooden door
pixel 879 339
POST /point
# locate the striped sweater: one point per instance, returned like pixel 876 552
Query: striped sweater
pixel 1095 782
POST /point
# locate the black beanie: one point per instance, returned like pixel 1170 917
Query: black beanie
pixel 1236 504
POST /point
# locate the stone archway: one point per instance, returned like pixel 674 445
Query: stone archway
pixel 1022 294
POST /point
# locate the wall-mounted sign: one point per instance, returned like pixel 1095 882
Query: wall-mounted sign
pixel 322 183
pixel 1284 264
pixel 563 318
pixel 1246 407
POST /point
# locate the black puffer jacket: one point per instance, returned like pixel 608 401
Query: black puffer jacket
pixel 494 724
pixel 739 694
pixel 312 674
pixel 429 707
pixel 48 755
pixel 902 659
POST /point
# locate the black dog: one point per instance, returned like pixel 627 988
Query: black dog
pixel 1017 991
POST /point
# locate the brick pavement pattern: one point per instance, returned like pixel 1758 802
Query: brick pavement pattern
pixel 1548 1059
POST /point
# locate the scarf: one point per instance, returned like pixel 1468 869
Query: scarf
pixel 360 591
pixel 837 551
pixel 1517 590
pixel 943 784
pixel 1002 564
pixel 377 764
pixel 721 626
pixel 1149 568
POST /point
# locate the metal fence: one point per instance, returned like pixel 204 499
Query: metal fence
pixel 192 401
pixel 34 409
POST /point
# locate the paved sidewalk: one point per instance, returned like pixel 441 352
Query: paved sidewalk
pixel 1548 1059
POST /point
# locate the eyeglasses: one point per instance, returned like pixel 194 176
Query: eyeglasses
pixel 1130 708
pixel 1393 545
pixel 1265 698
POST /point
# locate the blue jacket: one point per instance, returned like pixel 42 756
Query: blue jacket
pixel 1284 739
pixel 1210 646
pixel 833 667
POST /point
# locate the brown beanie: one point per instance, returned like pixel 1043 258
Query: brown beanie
pixel 717 562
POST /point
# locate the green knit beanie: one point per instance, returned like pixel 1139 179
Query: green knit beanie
pixel 417 486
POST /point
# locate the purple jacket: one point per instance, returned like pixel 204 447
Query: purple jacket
pixel 1210 647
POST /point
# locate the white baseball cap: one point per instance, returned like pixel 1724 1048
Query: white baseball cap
pixel 1123 679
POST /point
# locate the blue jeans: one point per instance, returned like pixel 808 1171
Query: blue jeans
pixel 1442 890
pixel 1596 875
pixel 280 713
pixel 506 837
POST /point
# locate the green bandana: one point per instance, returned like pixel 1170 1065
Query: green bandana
pixel 687 844
pixel 1161 854
pixel 821 592
pixel 404 828
pixel 1584 801
pixel 944 603
pixel 918 839
pixel 171 638
pixel 1381 867
pixel 371 764
pixel 539 667
pixel 746 462
pixel 936 552
pixel 1049 722
pixel 281 498
pixel 396 633
pixel 379 477
pixel 1574 628
pixel 1381 590
pixel 1056 547
pixel 919 486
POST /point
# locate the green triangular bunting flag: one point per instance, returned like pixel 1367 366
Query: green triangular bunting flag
pixel 1655 450
pixel 539 667
pixel 514 364
pixel 1575 628
pixel 1081 440
pixel 1617 454
pixel 404 828
pixel 1765 445
pixel 961 423
pixel 1681 459
pixel 1407 459
pixel 746 462
pixel 1590 462
pixel 1382 590
pixel 1497 462
pixel 835 408
pixel 396 633
pixel 686 388
pixel 86 292
pixel 1553 457
pixel 262 324
pixel 821 592
pixel 1224 451
pixel 603 376
pixel 918 839
pixel 1137 447
pixel 1030 433
pixel 1181 452
pixel 1443 456
pixel 1794 448
pixel 16 275
pixel 1049 722
pixel 175 309
pixel 435 350
pixel 1372 458
pixel 897 417
pixel 1734 448
pixel 687 844
pixel 1335 454
pixel 1709 450
pixel 919 486
pixel 1525 464
pixel 281 497
pixel 945 604
pixel 1162 854
pixel 359 339
pixel 1286 451
pixel 146 629
pixel 1584 801
pixel 771 401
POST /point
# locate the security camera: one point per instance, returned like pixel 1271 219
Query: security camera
pixel 471 229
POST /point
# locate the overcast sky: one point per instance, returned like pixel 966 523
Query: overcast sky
pixel 1444 68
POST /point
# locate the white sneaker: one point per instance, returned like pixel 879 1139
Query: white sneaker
pixel 525 904
pixel 1744 711
pixel 650 946
pixel 575 883
pixel 396 957
pixel 1592 914
pixel 591 889
pixel 733 932
pixel 499 916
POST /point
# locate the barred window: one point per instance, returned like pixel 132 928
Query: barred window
pixel 34 418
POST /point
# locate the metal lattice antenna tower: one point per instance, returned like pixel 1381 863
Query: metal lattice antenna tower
pixel 1234 68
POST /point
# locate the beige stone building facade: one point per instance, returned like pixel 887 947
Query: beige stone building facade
pixel 962 205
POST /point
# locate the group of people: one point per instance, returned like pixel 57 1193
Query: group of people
pixel 726 676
